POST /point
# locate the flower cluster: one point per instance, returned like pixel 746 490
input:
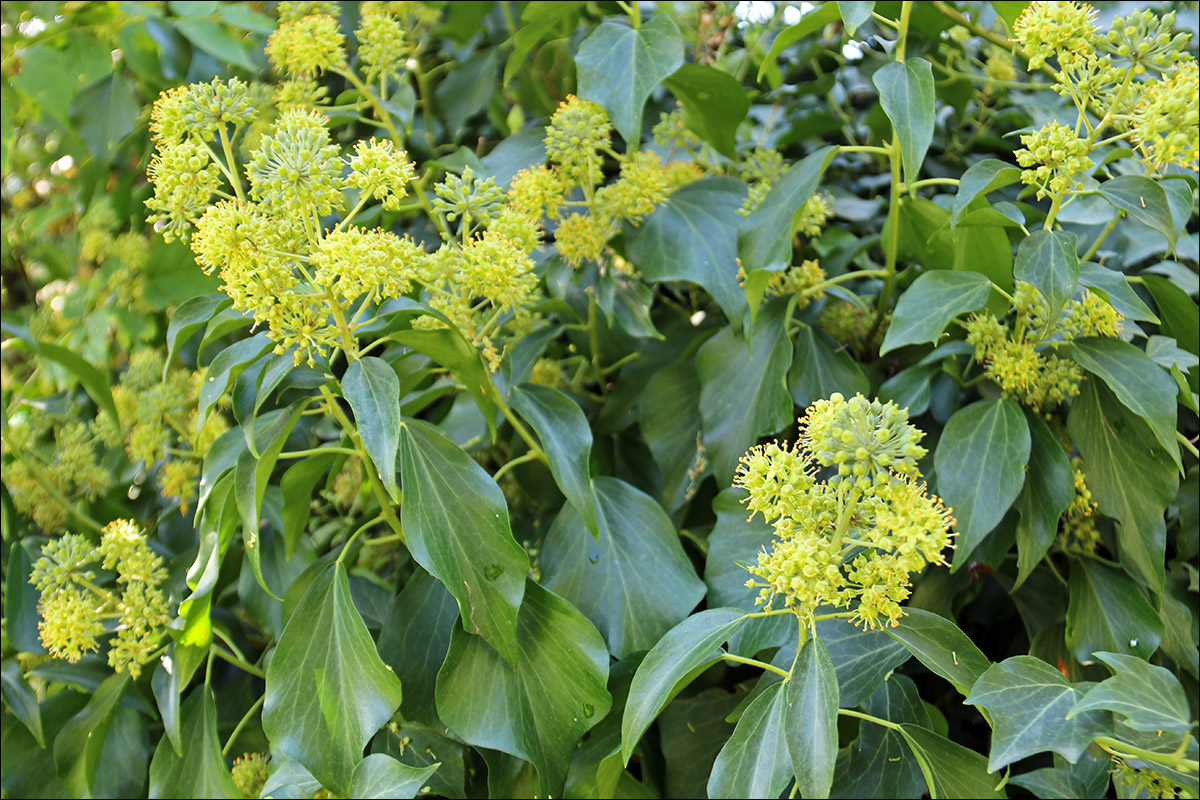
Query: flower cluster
pixel 1053 157
pixel 74 609
pixel 1167 118
pixel 1055 30
pixel 250 772
pixel 799 280
pixel 761 168
pixel 1020 359
pixel 307 46
pixel 1079 532
pixel 854 539
pixel 850 324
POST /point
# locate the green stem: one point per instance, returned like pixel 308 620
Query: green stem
pixel 316 451
pixel 864 148
pixel 1187 443
pixel 523 459
pixel 931 182
pixel 241 724
pixel 754 663
pixel 1055 205
pixel 902 29
pixel 243 665
pixel 893 243
pixel 848 712
pixel 380 111
pixel 361 528
pixel 847 511
pixel 846 276
pixel 594 344
pixel 1091 251
pixel 1124 750
pixel 233 175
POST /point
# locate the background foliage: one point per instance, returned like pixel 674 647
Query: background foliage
pixel 478 535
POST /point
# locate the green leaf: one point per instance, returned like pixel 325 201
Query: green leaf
pixel 980 178
pixel 539 711
pixel 755 761
pixel 1141 385
pixel 539 20
pixel 1106 611
pixel 863 658
pixel 1148 698
pixel 928 305
pixel 1048 491
pixel 165 686
pixel 906 94
pixel 21 598
pixel 373 391
pixel 941 646
pixel 980 463
pixel 200 771
pixel 327 690
pixel 414 640
pixel 297 485
pixel 619 66
pixel 714 104
pixel 811 22
pixel 210 37
pixel 810 719
pixel 1028 701
pixel 877 763
pixel 950 769
pixel 635 582
pixel 448 348
pixel 1048 260
pixel 1180 314
pixel 567 439
pixel 456 521
pixel 107 112
pixel 742 388
pixel 224 370
pixel 854 16
pixel 77 746
pixel 679 657
pixel 1113 285
pixel 910 388
pixel 1144 200
pixel 765 241
pixel 381 776
pixel 21 700
pixel 692 730
pixel 693 237
pixel 669 419
pixel 1053 783
pixel 1131 479
pixel 822 366
pixel 94 382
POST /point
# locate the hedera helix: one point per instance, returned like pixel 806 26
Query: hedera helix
pixel 411 341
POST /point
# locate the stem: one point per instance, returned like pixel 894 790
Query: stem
pixel 369 523
pixel 902 29
pixel 844 515
pixel 847 712
pixel 847 276
pixel 893 243
pixel 241 724
pixel 243 665
pixel 864 148
pixel 931 182
pixel 1123 750
pixel 1055 205
pixel 1091 251
pixel 594 344
pixel 753 663
pixel 1187 443
pixel 380 111
pixel 232 173
pixel 60 498
pixel 316 451
pixel 524 459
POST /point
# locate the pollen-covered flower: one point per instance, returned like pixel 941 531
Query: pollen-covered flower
pixel 1167 118
pixel 986 333
pixel 207 107
pixel 296 170
pixel 536 191
pixel 477 201
pixel 299 93
pixel 378 169
pixel 382 48
pixel 812 216
pixel 70 623
pixel 578 130
pixel 999 64
pixel 581 237
pixel 641 187
pixel 354 261
pixel 866 440
pixel 179 479
pixel 307 46
pixel 797 279
pixel 495 267
pixel 1055 29
pixel 250 773
pixel 184 179
pixel 1144 37
pixel 671 131
pixel 1053 156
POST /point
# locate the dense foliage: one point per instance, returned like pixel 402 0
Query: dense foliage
pixel 600 399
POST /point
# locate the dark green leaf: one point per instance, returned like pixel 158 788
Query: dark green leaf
pixel 693 237
pixel 1048 260
pixel 679 657
pixel 1028 701
pixel 297 485
pixel 191 317
pixel 854 15
pixel 714 104
pixel 980 462
pixel 1130 477
pixel 94 382
pixel 1107 612
pixel 21 700
pixel 810 719
pixel 414 641
pixel 21 598
pixel 382 776
pixel 940 645
pixel 863 658
pixel 1144 200
pixel 1120 295
pixel 456 521
pixel 766 239
pixel 1053 784
pixel 373 391
pixel 950 769
pixel 1148 698
pixel 224 370
pixel 567 439
pixel 692 731
pixel 910 388
pixel 200 771
pixel 755 761
pixel 1049 489
pixel 1180 314
pixel 77 746
pixel 878 764
pixel 327 690
pixel 448 348
pixel 820 367
pixel 619 66
pixel 906 94
pixel 467 90
pixel 539 711
pixel 980 178
pixel 926 307
pixel 811 22
pixel 212 38
pixel 669 419
pixel 107 113
pixel 743 393
pixel 165 685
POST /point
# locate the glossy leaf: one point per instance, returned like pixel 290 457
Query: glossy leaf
pixel 879 762
pixel 567 440
pixel 980 178
pixel 1144 200
pixel 980 462
pixel 950 769
pixel 199 771
pixel 327 690
pixel 766 239
pixel 863 658
pixel 820 367
pixel 679 657
pixel 810 719
pixel 414 640
pixel 381 776
pixel 906 94
pixel 1028 701
pixel 371 387
pixel 635 582
pixel 619 66
pixel 1130 477
pixel 77 746
pixel 1048 491
pixel 926 307
pixel 941 646
pixel 742 394
pixel 1107 612
pixel 456 522
pixel 669 419
pixel 1146 697
pixel 224 370
pixel 813 21
pixel 191 316
pixel 713 101
pixel 448 348
pixel 693 237
pixel 165 685
pixel 21 701
pixel 1115 287
pixel 1048 260
pixel 854 15
pixel 539 711
pixel 755 762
